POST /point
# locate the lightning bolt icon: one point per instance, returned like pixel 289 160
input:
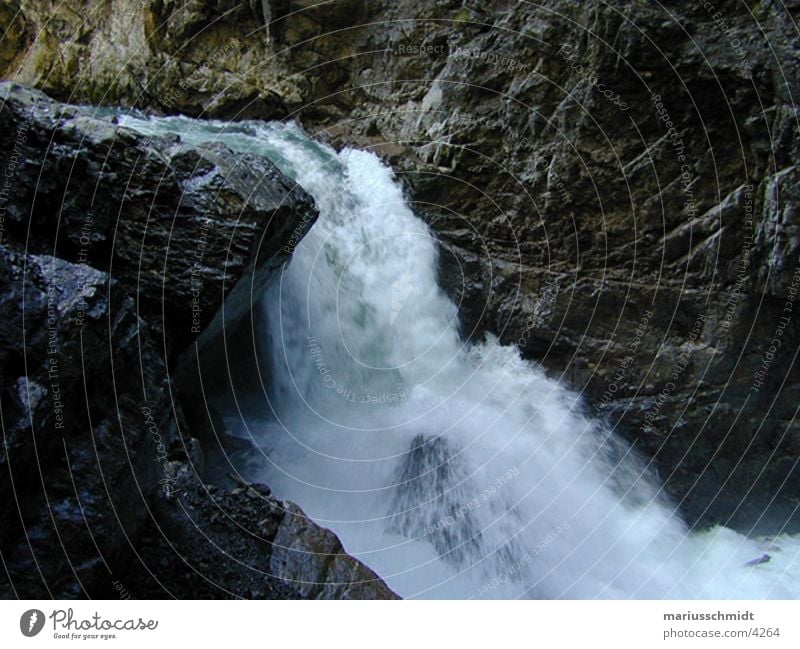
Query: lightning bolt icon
pixel 32 621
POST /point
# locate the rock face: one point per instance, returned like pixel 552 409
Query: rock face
pixel 173 56
pixel 78 460
pixel 614 185
pixel 177 225
pixel 275 551
pixel 102 286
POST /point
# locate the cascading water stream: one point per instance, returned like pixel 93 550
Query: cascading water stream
pixel 452 469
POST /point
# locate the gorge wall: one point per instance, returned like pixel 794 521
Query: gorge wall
pixel 614 184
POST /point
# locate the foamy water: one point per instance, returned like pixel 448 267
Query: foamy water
pixel 451 469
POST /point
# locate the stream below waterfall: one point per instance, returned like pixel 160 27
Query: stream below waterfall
pixel 453 469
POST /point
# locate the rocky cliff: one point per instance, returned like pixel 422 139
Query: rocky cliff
pixel 116 252
pixel 614 184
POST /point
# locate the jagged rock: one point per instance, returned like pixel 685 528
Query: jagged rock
pixel 242 542
pixel 196 218
pixel 172 56
pixel 86 414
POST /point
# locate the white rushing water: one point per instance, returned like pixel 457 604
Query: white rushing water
pixel 451 469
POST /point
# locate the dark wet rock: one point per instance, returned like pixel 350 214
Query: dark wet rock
pixel 240 541
pixel 86 415
pixel 175 225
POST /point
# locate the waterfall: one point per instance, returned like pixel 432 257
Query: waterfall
pixel 452 469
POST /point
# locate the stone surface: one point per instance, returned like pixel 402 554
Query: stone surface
pixel 80 453
pixel 176 225
pixel 240 541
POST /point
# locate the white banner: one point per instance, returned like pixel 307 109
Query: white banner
pixel 402 624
